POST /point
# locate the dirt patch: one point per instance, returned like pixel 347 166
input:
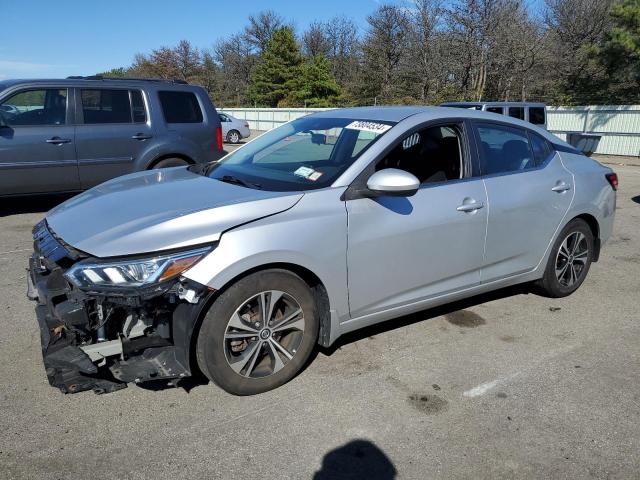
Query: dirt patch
pixel 465 318
pixel 427 404
pixel 508 338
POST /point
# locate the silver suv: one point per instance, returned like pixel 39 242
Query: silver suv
pixel 324 225
pixel 72 134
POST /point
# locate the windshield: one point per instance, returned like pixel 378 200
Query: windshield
pixel 305 154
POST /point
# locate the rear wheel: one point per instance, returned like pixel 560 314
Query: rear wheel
pixel 170 162
pixel 259 333
pixel 569 261
pixel 234 136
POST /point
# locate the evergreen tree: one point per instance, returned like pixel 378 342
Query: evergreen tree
pixel 315 86
pixel 621 52
pixel 277 72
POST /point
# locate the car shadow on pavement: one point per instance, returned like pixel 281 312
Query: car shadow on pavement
pixel 449 309
pixel 358 459
pixel 31 204
pixel 636 199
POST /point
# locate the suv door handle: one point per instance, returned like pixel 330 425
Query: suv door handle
pixel 470 207
pixel 561 187
pixel 58 140
pixel 141 136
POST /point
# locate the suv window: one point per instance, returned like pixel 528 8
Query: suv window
pixel 499 110
pixel 137 106
pixel 108 106
pixel 503 149
pixel 540 147
pixel 36 107
pixel 433 154
pixel 516 112
pixel 536 115
pixel 180 107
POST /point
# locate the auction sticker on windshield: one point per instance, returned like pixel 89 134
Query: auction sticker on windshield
pixel 308 173
pixel 368 126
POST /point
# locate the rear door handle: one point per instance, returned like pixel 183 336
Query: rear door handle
pixel 561 187
pixel 141 136
pixel 470 207
pixel 58 140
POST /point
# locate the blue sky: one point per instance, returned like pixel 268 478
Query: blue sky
pixel 45 38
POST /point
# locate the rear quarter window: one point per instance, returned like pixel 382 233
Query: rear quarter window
pixel 537 115
pixel 180 107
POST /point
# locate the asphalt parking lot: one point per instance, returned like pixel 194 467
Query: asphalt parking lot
pixel 508 385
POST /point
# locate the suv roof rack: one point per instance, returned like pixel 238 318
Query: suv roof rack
pixel 139 79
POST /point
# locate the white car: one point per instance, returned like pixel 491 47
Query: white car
pixel 233 129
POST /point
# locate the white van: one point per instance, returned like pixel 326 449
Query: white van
pixel 535 113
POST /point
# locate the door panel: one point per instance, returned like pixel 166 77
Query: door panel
pixel 114 132
pixel 402 250
pixel 525 210
pixel 30 164
pixel 37 152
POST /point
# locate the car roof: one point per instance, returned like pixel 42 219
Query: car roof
pixel 496 104
pixel 84 82
pixel 427 114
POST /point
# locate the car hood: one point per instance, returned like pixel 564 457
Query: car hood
pixel 159 210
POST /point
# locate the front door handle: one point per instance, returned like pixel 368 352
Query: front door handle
pixel 470 207
pixel 58 140
pixel 561 187
pixel 141 136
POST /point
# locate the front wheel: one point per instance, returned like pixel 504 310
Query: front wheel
pixel 259 333
pixel 569 261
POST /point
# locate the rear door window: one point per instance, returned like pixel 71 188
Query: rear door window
pixel 106 106
pixel 180 107
pixel 537 115
pixel 503 149
pixel 499 110
pixel 35 107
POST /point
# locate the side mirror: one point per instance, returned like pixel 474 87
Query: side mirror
pixel 393 182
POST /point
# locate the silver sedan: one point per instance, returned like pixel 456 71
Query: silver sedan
pixel 233 129
pixel 325 225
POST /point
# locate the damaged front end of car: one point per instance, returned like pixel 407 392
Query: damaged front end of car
pixel 105 323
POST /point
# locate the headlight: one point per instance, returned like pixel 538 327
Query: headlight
pixel 133 273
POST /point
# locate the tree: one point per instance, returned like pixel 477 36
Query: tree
pixel 384 48
pixel 274 76
pixel 314 86
pixel 575 30
pixel 261 29
pixel 236 62
pixel 621 52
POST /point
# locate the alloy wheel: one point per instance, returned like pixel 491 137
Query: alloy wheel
pixel 234 137
pixel 572 259
pixel 264 334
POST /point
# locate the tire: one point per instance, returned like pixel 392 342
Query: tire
pixel 170 162
pixel 234 136
pixel 568 263
pixel 232 333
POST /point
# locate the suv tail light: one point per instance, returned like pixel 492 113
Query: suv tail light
pixel 612 178
pixel 219 138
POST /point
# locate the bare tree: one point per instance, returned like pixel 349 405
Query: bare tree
pixel 384 48
pixel 315 41
pixel 236 60
pixel 261 28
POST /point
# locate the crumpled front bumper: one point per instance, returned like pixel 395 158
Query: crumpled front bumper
pixel 75 356
pixel 68 367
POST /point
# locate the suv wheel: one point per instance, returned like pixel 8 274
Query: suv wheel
pixel 259 333
pixel 233 136
pixel 569 261
pixel 171 162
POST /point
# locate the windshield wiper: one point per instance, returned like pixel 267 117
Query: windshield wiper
pixel 237 181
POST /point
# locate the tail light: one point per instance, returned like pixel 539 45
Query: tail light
pixel 246 125
pixel 219 138
pixel 612 178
